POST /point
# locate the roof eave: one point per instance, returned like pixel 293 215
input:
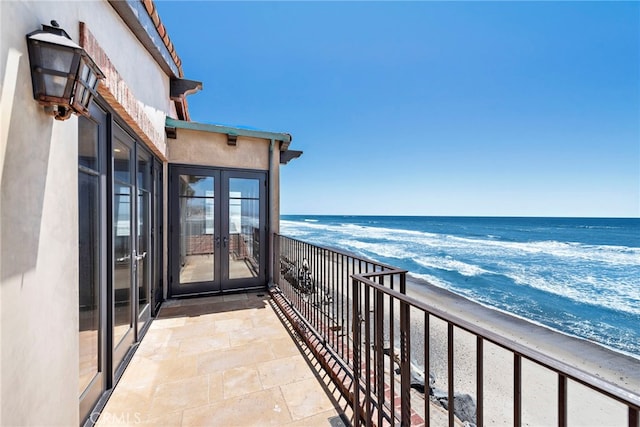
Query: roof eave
pixel 285 138
pixel 141 22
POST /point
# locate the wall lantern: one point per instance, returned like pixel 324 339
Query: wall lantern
pixel 63 75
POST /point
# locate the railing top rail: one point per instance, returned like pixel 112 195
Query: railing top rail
pixel 341 252
pixel 612 390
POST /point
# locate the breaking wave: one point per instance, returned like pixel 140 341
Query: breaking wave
pixel 548 274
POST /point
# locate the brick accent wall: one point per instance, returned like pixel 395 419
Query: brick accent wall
pixel 118 95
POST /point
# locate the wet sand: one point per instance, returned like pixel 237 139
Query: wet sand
pixel 539 385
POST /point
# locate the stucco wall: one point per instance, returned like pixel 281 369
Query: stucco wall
pixel 38 244
pixel 139 71
pixel 39 212
pixel 211 149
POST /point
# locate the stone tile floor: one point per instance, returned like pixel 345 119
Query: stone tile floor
pixel 223 361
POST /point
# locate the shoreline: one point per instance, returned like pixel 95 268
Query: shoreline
pixel 616 364
pixel 504 322
pixel 420 282
pixel 539 384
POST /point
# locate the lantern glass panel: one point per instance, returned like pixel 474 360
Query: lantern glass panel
pixel 54 58
pixel 55 86
pixel 93 80
pixel 86 85
pixel 84 71
pixel 87 75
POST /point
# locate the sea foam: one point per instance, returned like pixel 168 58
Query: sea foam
pixel 560 273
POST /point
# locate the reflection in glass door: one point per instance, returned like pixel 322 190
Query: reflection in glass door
pixel 197 227
pixel 218 230
pixel 198 238
pixel 120 248
pixel 156 258
pixel 143 261
pixel 123 190
pixel 91 260
pixel 244 228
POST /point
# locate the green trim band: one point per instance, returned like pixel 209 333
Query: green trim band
pixel 181 124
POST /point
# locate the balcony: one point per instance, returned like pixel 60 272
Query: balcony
pixel 224 360
pixel 401 360
pixel 341 340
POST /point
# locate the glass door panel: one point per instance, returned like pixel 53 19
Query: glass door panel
pixel 89 284
pixel 143 263
pixel 143 259
pixel 157 276
pixel 244 228
pixel 122 261
pixel 195 232
pixel 197 244
pixel 123 235
pixel 92 244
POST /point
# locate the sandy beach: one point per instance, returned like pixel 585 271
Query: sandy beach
pixel 539 385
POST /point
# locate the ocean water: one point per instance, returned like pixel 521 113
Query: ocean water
pixel 580 276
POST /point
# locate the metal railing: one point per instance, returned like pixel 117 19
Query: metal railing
pixel 316 281
pixel 356 313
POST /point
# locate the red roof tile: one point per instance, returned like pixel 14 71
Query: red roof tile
pixel 153 13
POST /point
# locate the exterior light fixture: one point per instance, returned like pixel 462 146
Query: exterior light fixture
pixel 232 139
pixel 63 76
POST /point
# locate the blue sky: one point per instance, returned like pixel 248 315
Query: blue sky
pixel 429 108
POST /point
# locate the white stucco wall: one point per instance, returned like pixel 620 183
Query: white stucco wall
pixel 38 245
pixel 39 212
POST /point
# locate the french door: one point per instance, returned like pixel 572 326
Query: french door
pixel 218 230
pixel 132 243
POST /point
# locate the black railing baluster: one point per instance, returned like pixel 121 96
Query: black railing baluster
pixel 634 417
pixel 348 315
pixel 450 380
pixel 405 364
pixel 392 355
pixel 366 312
pixel 427 364
pixel 562 400
pixel 479 381
pixel 517 390
pixel 330 314
pixel 379 356
pixel 343 316
pixel 313 255
pixel 356 353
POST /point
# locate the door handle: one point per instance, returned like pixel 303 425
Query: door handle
pixel 217 242
pixel 141 257
pixel 224 242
